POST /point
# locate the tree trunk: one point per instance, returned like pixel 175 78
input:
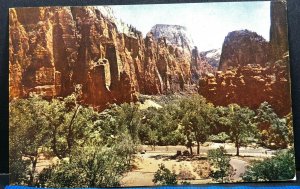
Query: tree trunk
pixel 54 145
pixel 31 176
pixel 70 135
pixel 198 147
pixel 191 150
pixel 237 145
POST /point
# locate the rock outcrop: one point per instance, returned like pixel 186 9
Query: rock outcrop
pixel 174 35
pixel 179 38
pixel 252 70
pixel 212 57
pixel 52 49
pixel 244 47
pixel 278 31
pixel 250 86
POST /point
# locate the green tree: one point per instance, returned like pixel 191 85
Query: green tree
pixel 222 169
pixel 289 125
pixel 279 167
pixel 274 131
pixel 197 120
pixel 27 133
pixel 159 127
pixel 163 176
pixel 70 124
pixel 128 116
pixel 240 124
pixel 94 164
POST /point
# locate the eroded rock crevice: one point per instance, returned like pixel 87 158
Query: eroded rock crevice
pixel 65 46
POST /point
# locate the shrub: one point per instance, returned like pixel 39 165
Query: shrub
pixel 219 138
pixel 164 176
pixel 202 168
pixel 280 167
pixel 222 169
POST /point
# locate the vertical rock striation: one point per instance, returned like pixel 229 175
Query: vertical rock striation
pixel 52 49
pixel 278 31
pixel 252 70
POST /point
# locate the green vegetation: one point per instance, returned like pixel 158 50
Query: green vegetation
pixel 274 131
pixel 239 122
pixel 92 166
pixel 280 167
pixel 219 138
pixel 222 169
pixel 108 140
pixel 198 117
pixel 164 176
pixel 70 132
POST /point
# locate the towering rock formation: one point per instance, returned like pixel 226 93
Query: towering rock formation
pixel 180 39
pixel 278 31
pixel 250 86
pixel 52 49
pixel 253 70
pixel 244 47
pixel 173 34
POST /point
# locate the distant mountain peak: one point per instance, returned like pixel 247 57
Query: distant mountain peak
pixel 175 35
pixel 212 57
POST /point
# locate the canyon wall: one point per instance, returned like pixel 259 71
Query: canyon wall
pixel 253 70
pixel 250 86
pixel 52 49
pixel 278 31
pixel 244 47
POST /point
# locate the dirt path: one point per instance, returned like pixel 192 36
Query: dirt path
pixel 147 164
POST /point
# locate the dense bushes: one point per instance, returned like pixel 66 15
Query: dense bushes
pixel 70 130
pixel 94 149
pixel 163 176
pixel 220 161
pixel 279 167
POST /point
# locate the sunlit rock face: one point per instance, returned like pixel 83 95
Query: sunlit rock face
pixel 173 34
pixel 52 49
pixel 250 86
pixel 253 70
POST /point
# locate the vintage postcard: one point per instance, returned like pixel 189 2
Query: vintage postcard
pixel 145 95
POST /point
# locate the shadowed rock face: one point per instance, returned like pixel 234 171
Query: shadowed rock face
pixel 178 37
pixel 52 49
pixel 252 70
pixel 278 31
pixel 244 47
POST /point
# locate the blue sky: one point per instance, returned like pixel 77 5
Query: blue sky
pixel 208 23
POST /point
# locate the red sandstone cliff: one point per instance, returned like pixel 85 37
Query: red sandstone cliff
pixel 253 70
pixel 54 48
pixel 250 86
pixel 178 37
